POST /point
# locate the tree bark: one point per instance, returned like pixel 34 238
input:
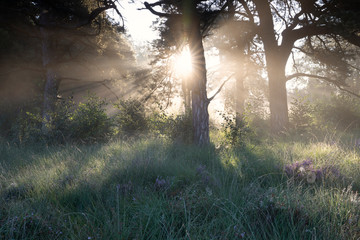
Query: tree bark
pixel 200 102
pixel 279 119
pixel 276 58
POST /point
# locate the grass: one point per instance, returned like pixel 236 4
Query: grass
pixel 153 189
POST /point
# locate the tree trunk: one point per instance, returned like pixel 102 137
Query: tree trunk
pixel 200 101
pixel 276 59
pixel 279 119
pixel 51 83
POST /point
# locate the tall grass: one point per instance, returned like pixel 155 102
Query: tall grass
pixel 153 189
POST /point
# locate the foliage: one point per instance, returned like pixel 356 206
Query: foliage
pixel 89 120
pixel 83 122
pixel 307 172
pixel 301 114
pixel 339 112
pixel 177 127
pixel 131 118
pixel 237 131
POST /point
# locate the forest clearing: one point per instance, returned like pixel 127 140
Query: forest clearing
pixel 179 119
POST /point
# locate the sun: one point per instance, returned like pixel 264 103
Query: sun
pixel 182 63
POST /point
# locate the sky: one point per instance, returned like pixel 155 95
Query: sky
pixel 138 22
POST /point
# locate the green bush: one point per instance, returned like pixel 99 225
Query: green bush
pixel 177 127
pixel 89 121
pixel 340 112
pixel 236 131
pixel 301 114
pixel 27 128
pixel 131 119
pixel 83 122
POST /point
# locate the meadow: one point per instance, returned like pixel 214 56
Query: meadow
pixel 152 188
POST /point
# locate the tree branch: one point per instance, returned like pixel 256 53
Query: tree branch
pixel 290 36
pixel 332 81
pixel 295 75
pixel 222 85
pixel 160 14
pixel 247 10
pixel 101 82
pixel 352 38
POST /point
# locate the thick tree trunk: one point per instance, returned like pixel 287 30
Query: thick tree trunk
pixel 279 118
pixel 200 101
pixel 276 58
pixel 51 83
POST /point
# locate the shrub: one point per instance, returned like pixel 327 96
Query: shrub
pixel 177 127
pixel 85 122
pixel 236 131
pixel 340 112
pixel 89 121
pixel 131 119
pixel 301 114
pixel 27 128
pixel 306 171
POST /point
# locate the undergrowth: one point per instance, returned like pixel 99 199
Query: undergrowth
pixel 155 189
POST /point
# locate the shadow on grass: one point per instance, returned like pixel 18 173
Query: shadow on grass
pixel 157 190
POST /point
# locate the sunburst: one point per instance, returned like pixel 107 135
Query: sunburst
pixel 182 63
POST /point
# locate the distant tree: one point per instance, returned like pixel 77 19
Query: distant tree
pixel 65 32
pixel 234 39
pixel 279 24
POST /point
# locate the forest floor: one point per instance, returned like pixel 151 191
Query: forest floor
pixel 154 189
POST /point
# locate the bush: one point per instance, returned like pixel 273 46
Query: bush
pixel 177 127
pixel 301 114
pixel 341 112
pixel 236 131
pixel 85 122
pixel 89 121
pixel 131 119
pixel 27 128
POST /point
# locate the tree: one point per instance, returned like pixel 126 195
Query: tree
pixel 54 24
pixel 279 24
pixel 193 19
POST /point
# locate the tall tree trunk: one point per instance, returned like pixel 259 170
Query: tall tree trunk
pixel 200 101
pixel 279 119
pixel 276 59
pixel 51 83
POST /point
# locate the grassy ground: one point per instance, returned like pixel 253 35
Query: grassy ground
pixel 152 189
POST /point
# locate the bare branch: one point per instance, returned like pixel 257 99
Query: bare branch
pixel 222 85
pixel 247 9
pixel 332 81
pixel 295 75
pixel 160 14
pixel 102 82
pixel 278 14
